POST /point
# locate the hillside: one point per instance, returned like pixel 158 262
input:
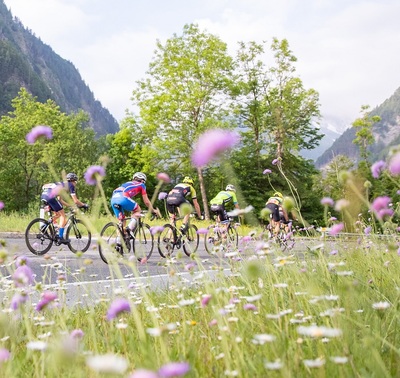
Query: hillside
pixel 386 134
pixel 25 61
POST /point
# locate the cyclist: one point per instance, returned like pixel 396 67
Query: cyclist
pixel 123 196
pixel 51 195
pixel 277 213
pixel 178 196
pixel 220 200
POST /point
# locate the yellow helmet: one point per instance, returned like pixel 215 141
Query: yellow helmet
pixel 278 194
pixel 188 180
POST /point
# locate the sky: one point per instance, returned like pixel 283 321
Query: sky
pixel 347 50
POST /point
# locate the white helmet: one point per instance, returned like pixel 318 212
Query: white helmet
pixel 230 188
pixel 139 176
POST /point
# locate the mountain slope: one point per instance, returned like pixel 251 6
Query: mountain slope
pixel 25 61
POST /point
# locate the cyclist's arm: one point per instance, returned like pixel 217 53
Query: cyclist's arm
pixel 197 207
pixel 147 202
pixel 77 202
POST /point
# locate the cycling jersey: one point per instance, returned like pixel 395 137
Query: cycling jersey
pixel 274 204
pixel 178 195
pixel 123 196
pixel 224 197
pixel 50 196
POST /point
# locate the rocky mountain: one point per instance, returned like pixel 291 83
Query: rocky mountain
pixel 25 61
pixel 386 134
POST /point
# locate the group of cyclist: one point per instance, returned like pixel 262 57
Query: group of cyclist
pixel 122 200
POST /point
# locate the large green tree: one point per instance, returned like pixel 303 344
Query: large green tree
pixel 183 95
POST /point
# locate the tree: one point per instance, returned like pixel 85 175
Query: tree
pixel 183 95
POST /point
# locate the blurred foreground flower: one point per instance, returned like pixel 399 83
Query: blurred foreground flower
pixel 144 373
pixel 1 205
pixel 38 132
pixel 119 305
pixel 23 276
pixel 327 201
pixel 394 165
pixel 107 363
pixel 211 143
pixel 267 171
pixel 174 369
pixel 335 229
pixel 4 354
pixel 381 306
pixel 163 177
pixel 94 174
pixel 377 168
pixel 315 331
pixel 162 196
pixel 380 206
pixel 47 298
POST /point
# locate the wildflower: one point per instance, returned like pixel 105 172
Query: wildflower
pixel 339 360
pixel 56 191
pixel 77 334
pixel 211 143
pixel 190 266
pixel 202 231
pixel 394 165
pixel 174 369
pixel 380 206
pixel 381 306
pixel 47 298
pixel 235 212
pixel 314 363
pixel 94 174
pixel 23 276
pixel 341 204
pixel 163 177
pixel 17 300
pixel 38 132
pixel 276 365
pixel 37 345
pixel 367 230
pixel 315 331
pixel 162 195
pixel 156 229
pixel 186 302
pixel 4 354
pixel 1 205
pixel 327 201
pixel 144 373
pixel 263 338
pixel 21 260
pixel 107 363
pixel 267 171
pixel 249 307
pixel 377 168
pixel 275 162
pixel 335 229
pixel 206 298
pixel 119 305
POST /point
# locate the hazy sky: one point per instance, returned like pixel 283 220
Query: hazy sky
pixel 347 50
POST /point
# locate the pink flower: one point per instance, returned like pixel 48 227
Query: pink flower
pixel 249 307
pixel 76 334
pixel 156 229
pixel 1 205
pixel 162 196
pixel 336 229
pixel 267 171
pixel 119 305
pixel 202 231
pixel 377 168
pixel 47 298
pixel 246 239
pixel 144 373
pixel 163 177
pixel 367 230
pixel 206 298
pixel 21 260
pixel 174 369
pixel 275 161
pixel 190 266
pixel 38 132
pixel 23 276
pixel 56 190
pixel 394 165
pixel 4 354
pixel 17 300
pixel 94 174
pixel 326 201
pixel 211 143
pixel 380 206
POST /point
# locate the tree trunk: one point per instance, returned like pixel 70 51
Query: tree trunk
pixel 203 193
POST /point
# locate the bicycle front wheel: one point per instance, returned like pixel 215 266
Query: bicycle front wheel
pixel 111 243
pixel 39 236
pixel 79 236
pixel 166 243
pixel 191 240
pixel 143 243
pixel 212 239
pixel 232 239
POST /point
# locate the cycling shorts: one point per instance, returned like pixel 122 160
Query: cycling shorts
pixel 274 211
pixel 221 212
pixel 175 202
pixel 54 203
pixel 126 203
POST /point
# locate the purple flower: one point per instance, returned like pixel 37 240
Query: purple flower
pixel 163 177
pixel 190 266
pixel 1 205
pixel 377 168
pixel 119 305
pixel 211 143
pixel 380 206
pixel 394 165
pixel 47 298
pixel 76 334
pixel 38 132
pixel 94 174
pixel 367 230
pixel 144 373
pixel 327 201
pixel 21 260
pixel 17 300
pixel 249 307
pixel 174 369
pixel 56 190
pixel 336 229
pixel 4 354
pixel 156 229
pixel 162 196
pixel 275 161
pixel 267 171
pixel 23 276
pixel 246 239
pixel 206 298
pixel 202 231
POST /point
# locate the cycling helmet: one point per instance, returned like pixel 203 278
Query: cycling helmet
pixel 230 188
pixel 139 176
pixel 187 180
pixel 278 194
pixel 72 177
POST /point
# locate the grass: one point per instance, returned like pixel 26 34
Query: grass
pixel 333 311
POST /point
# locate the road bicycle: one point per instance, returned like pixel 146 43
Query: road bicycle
pixel 115 241
pixel 284 238
pixel 221 235
pixel 41 234
pixel 171 238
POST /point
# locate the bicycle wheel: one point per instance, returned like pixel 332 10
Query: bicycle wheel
pixel 79 236
pixel 232 238
pixel 143 242
pixel 111 243
pixel 166 243
pixel 39 236
pixel 212 239
pixel 190 240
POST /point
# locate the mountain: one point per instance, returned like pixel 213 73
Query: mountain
pixel 25 61
pixel 386 134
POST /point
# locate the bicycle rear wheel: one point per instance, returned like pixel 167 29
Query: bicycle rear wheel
pixel 39 236
pixel 212 239
pixel 79 236
pixel 190 240
pixel 166 244
pixel 111 243
pixel 143 243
